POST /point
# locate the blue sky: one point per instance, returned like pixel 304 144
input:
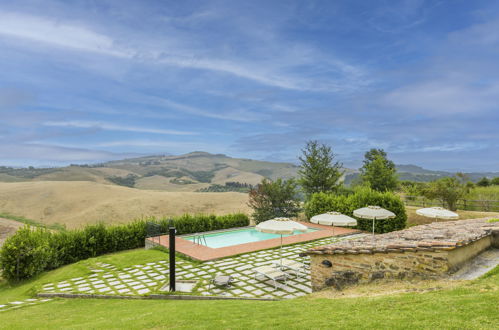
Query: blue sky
pixel 86 81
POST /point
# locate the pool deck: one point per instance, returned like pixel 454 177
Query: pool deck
pixel 204 253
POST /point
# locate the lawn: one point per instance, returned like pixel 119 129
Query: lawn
pixel 470 305
pixel 473 306
pixel 28 288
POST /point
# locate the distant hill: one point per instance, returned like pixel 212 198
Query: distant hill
pixel 190 172
pixel 195 171
pixel 419 174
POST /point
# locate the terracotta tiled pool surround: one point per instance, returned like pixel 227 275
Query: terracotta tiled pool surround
pixel 204 253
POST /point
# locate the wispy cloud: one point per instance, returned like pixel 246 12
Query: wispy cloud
pixel 58 34
pixel 254 78
pixel 272 73
pixel 114 127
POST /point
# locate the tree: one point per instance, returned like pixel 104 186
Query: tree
pixel 448 190
pixel 318 171
pixel 483 182
pixel 378 172
pixel 495 181
pixel 412 188
pixel 271 199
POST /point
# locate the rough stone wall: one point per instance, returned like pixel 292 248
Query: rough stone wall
pixel 350 269
pixel 425 251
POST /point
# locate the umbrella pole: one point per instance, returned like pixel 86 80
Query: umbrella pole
pixel 373 226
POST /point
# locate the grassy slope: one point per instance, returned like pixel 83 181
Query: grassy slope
pixel 471 305
pixel 123 259
pixel 76 203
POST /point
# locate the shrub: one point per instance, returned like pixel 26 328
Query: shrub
pixel 188 224
pixel 323 202
pixel 30 252
pixel 25 254
pixel 127 181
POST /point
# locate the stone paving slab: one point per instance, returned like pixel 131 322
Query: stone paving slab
pixel 148 278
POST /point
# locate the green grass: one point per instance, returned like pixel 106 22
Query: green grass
pixel 27 289
pixel 471 305
pixel 490 193
pixel 55 226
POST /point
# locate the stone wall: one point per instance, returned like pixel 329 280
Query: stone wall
pixel 351 269
pixel 422 252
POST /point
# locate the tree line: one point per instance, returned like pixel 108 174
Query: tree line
pixel 321 172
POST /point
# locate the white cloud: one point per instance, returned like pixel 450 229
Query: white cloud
pixel 58 34
pixel 171 145
pixel 276 72
pixel 443 97
pixel 114 127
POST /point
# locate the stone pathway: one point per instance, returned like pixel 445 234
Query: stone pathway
pixel 150 277
pixel 21 303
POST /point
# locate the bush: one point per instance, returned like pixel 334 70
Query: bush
pixel 30 252
pixel 323 202
pixel 25 254
pixel 127 181
pixel 188 224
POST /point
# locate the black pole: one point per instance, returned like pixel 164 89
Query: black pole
pixel 172 258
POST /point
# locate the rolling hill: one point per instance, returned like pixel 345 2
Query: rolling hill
pixel 195 171
pixel 189 172
pixel 79 202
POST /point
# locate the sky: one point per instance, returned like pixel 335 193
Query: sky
pixel 90 81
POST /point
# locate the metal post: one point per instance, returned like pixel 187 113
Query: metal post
pixel 172 258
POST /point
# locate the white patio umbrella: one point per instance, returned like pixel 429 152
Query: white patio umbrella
pixel 437 213
pixel 334 219
pixel 281 226
pixel 374 213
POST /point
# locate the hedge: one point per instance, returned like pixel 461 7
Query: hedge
pixel 33 250
pixel 324 202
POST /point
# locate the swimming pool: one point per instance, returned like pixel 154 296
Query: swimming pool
pixel 240 236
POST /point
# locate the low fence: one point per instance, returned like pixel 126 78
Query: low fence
pixel 463 204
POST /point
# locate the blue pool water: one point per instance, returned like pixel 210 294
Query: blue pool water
pixel 240 236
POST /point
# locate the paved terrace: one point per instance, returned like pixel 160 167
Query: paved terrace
pixel 148 278
pixel 447 235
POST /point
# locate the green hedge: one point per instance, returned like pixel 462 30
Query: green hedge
pixel 323 202
pixel 33 250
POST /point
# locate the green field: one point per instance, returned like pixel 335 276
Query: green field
pixel 468 305
pixel 490 193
